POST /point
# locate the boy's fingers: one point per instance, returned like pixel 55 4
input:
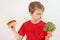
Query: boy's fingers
pixel 50 34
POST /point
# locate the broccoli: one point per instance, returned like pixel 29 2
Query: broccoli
pixel 49 27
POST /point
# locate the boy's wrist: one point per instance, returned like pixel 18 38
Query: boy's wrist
pixel 13 29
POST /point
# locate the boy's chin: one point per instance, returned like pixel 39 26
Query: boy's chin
pixel 38 19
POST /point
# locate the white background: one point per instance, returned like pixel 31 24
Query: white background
pixel 18 9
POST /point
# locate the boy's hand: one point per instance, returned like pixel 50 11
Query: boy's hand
pixel 49 35
pixel 11 23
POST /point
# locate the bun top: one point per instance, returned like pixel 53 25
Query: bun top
pixel 11 22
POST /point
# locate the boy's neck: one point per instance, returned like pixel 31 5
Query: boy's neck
pixel 35 21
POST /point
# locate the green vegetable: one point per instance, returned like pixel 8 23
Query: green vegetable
pixel 49 26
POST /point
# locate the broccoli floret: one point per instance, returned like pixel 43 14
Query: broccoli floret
pixel 49 26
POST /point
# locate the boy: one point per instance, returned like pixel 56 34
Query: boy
pixel 34 28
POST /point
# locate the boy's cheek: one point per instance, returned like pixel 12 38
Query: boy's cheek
pixel 39 17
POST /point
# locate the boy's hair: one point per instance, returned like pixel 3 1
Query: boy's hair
pixel 34 5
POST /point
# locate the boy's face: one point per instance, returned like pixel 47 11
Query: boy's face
pixel 37 14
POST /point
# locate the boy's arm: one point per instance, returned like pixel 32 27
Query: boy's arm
pixel 11 25
pixel 48 36
pixel 17 36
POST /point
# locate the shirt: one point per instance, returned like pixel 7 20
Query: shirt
pixel 33 31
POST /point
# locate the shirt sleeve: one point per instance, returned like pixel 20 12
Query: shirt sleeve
pixel 21 30
pixel 46 33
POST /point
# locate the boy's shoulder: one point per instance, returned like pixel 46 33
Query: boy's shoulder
pixel 43 22
pixel 26 22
